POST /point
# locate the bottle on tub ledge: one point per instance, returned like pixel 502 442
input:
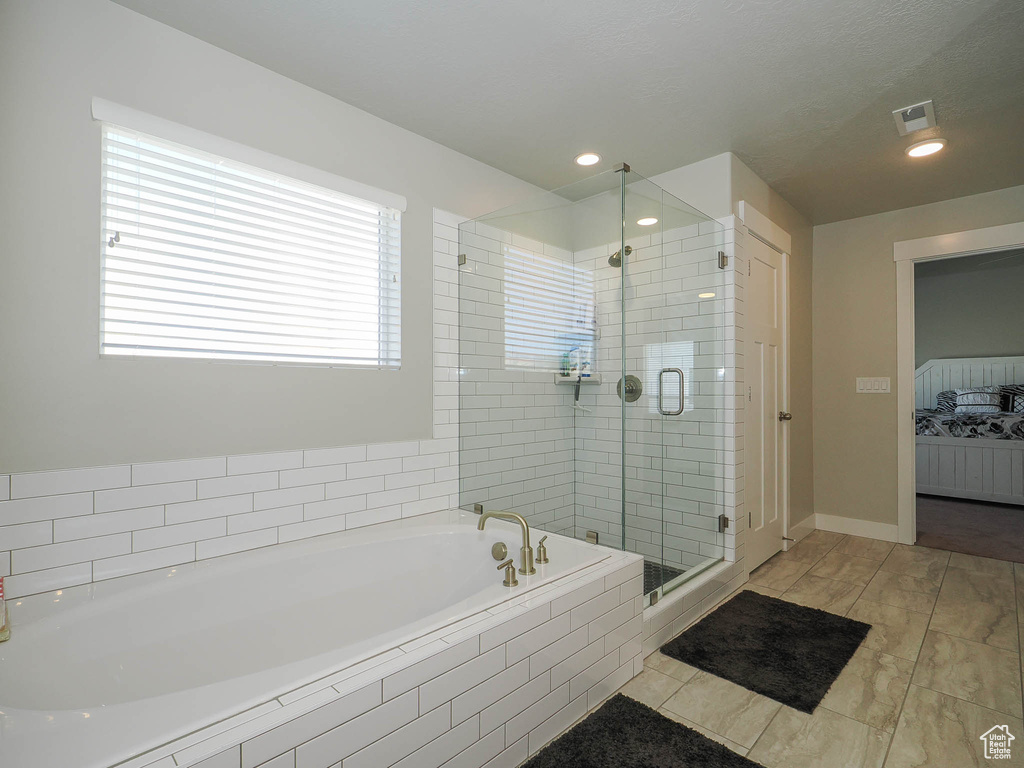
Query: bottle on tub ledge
pixel 5 626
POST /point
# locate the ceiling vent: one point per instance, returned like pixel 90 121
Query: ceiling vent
pixel 914 118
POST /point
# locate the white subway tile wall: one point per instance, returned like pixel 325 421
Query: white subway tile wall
pixel 68 527
pixel 463 699
pixel 516 423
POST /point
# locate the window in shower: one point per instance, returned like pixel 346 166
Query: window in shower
pixel 549 311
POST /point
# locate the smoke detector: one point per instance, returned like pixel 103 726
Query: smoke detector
pixel 914 118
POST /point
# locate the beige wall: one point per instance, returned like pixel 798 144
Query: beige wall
pixel 969 307
pixel 749 187
pixel 60 404
pixel 854 318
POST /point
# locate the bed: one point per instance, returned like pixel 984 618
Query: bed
pixel 969 455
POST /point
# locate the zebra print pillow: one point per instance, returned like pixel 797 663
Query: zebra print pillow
pixel 946 401
pixel 1013 398
pixel 978 400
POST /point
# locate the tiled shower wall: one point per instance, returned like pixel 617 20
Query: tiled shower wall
pixel 68 527
pixel 517 425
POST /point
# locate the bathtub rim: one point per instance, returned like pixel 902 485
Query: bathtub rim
pixel 326 687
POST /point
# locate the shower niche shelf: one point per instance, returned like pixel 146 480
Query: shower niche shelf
pixel 592 379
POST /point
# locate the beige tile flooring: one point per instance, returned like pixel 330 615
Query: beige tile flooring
pixel 941 665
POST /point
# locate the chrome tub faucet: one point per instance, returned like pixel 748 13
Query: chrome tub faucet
pixel 526 553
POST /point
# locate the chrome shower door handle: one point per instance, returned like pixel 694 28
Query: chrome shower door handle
pixel 661 391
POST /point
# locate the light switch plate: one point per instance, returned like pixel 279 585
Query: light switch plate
pixel 872 385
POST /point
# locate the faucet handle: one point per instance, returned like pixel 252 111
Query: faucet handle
pixel 510 573
pixel 542 551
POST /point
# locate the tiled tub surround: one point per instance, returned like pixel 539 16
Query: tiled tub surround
pixel 294 661
pixel 59 529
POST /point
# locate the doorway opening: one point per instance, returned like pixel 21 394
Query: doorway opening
pixel 969 385
pixel 961 441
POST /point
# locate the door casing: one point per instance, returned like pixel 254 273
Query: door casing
pixel 759 550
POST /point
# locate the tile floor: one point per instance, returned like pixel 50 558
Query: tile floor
pixel 940 667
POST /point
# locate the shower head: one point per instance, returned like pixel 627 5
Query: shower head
pixel 616 258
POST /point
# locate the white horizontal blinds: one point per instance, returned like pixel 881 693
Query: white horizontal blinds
pixel 549 310
pixel 216 259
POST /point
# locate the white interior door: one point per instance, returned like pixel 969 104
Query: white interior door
pixel 764 367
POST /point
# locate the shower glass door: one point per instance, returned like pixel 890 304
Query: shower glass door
pixel 674 311
pixel 592 386
pixel 644 357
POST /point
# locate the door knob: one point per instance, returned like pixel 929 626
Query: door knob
pixel 785 416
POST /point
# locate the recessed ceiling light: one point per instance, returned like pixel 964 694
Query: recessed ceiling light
pixel 926 147
pixel 588 158
pixel 647 221
pixel 705 295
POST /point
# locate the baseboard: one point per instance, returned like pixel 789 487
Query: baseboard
pixel 799 531
pixel 952 493
pixel 856 527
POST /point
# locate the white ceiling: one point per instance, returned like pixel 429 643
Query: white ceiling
pixel 800 90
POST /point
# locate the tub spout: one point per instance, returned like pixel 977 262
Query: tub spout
pixel 526 553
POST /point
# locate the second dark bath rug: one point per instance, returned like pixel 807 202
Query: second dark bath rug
pixel 623 733
pixel 779 649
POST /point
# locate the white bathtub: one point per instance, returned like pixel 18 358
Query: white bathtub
pixel 97 674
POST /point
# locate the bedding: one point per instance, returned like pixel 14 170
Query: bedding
pixel 946 401
pixel 987 426
pixel 1013 395
pixel 979 400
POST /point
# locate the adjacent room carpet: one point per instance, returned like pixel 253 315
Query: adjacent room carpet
pixel 971 527
pixel 773 647
pixel 656 574
pixel 624 733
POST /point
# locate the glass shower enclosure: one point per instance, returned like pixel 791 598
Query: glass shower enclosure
pixel 593 395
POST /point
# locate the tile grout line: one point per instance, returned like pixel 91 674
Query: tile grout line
pixel 917 659
pixel 765 730
pixel 820 558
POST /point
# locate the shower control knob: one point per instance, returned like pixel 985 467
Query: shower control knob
pixel 629 388
pixel 499 551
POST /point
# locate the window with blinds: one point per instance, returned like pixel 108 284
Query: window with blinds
pixel 549 311
pixel 208 258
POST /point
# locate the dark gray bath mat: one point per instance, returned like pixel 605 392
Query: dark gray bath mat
pixel 624 733
pixel 773 647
